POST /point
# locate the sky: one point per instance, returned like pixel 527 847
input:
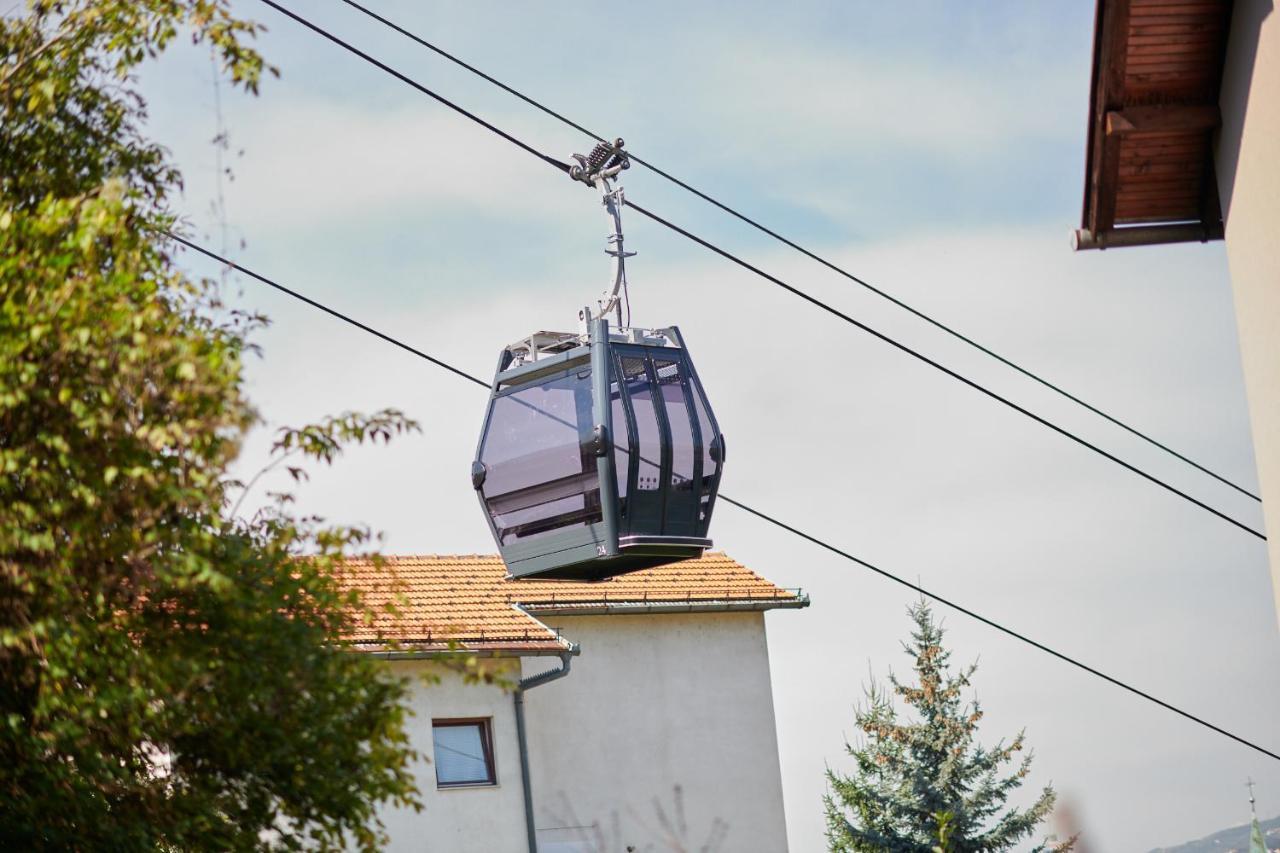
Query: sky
pixel 936 150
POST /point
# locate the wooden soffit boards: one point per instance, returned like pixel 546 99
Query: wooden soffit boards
pixel 1157 69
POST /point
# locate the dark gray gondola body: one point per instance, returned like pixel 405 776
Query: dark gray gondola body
pixel 600 460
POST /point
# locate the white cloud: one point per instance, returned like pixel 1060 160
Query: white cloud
pixel 884 457
pixel 800 98
pixel 827 427
pixel 316 163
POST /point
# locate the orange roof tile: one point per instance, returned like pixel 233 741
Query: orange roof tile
pixel 467 600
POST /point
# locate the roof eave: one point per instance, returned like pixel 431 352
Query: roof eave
pixel 635 607
pixel 490 651
pixel 1093 107
pixel 1119 114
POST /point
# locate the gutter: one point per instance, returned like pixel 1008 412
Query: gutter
pixel 463 651
pixel 728 606
pixel 566 658
pixel 1145 235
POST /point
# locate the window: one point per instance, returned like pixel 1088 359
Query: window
pixel 463 753
pixel 709 464
pixel 621 442
pixel 635 376
pixel 678 418
pixel 539 477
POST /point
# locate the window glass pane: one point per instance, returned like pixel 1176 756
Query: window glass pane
pixel 621 442
pixel 460 755
pixel 709 465
pixel 538 478
pixel 534 435
pixel 678 418
pixel 649 442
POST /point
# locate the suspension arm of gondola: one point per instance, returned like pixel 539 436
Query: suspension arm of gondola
pixel 600 169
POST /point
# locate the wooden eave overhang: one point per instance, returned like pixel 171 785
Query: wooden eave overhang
pixel 1153 113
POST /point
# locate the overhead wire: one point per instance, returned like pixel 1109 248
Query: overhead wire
pixel 409 81
pixel 803 250
pixel 767 517
pixel 773 279
pixel 937 365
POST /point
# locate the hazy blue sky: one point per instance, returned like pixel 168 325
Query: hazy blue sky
pixel 935 148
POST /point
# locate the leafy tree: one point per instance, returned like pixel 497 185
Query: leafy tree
pixel 171 675
pixel 925 786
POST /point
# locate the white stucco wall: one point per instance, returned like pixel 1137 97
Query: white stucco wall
pixel 664 727
pixel 1248 168
pixel 460 820
pixel 661 738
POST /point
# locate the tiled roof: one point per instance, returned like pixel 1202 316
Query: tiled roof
pixel 468 601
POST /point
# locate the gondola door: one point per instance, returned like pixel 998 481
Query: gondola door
pixel 663 448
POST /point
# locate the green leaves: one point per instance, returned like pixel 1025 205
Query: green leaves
pixel 324 441
pixel 170 677
pixel 926 786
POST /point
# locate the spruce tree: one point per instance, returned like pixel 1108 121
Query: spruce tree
pixel 926 785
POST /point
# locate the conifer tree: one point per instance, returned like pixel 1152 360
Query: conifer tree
pixel 926 785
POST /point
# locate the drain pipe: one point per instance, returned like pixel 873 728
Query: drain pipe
pixel 528 684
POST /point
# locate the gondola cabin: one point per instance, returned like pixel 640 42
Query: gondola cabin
pixel 599 454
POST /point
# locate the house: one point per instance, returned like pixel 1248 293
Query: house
pixel 1184 145
pixel 651 726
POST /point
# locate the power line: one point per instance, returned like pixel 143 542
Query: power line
pixel 326 309
pixel 564 167
pixel 802 250
pixel 757 513
pixel 794 290
pixel 990 623
pixel 835 312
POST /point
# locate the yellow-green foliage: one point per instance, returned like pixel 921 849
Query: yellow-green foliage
pixel 170 677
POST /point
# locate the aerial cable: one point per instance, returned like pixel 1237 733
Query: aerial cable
pixel 796 291
pixel 326 309
pixel 835 312
pixel 757 513
pixel 804 251
pixel 564 167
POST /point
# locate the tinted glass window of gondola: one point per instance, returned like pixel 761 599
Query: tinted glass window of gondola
pixel 648 434
pixel 678 417
pixel 621 443
pixel 538 477
pixel 682 500
pixel 709 465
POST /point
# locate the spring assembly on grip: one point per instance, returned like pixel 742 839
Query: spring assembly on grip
pixel 604 161
pixel 599 156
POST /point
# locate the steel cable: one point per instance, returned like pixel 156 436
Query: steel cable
pixel 804 251
pixel 755 512
pixel 790 288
